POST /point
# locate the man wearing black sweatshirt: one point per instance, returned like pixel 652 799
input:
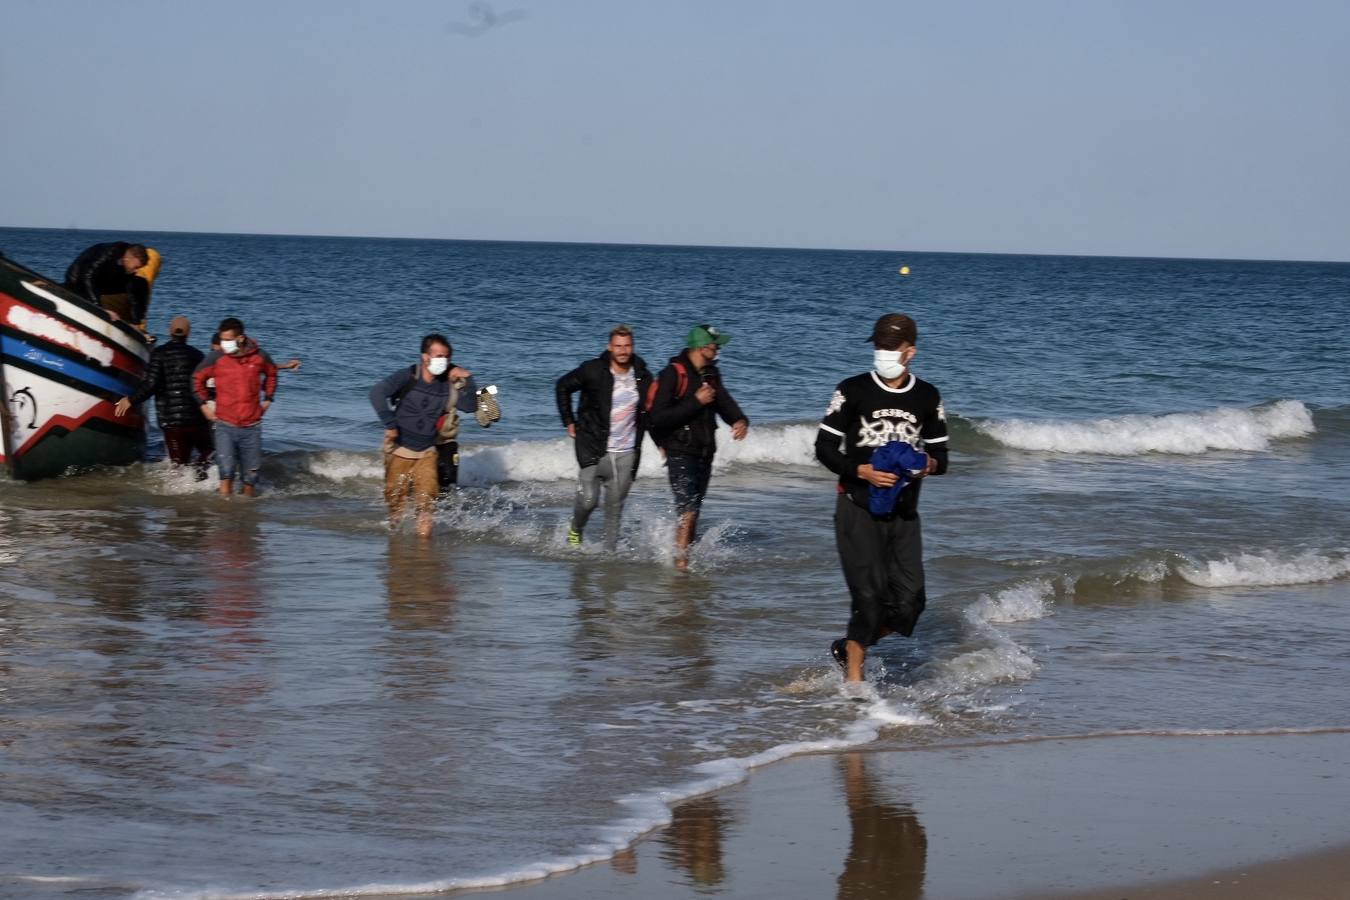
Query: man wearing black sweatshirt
pixel 690 396
pixel 881 554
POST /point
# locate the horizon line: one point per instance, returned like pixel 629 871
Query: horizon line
pixel 580 243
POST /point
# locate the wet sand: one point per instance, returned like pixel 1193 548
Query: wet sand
pixel 1134 817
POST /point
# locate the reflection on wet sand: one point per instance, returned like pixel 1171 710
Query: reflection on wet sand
pixel 659 631
pixel 693 841
pixel 888 850
pixel 420 594
pixel 419 585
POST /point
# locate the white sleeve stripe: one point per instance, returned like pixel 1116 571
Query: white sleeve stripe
pixel 824 427
pixel 936 440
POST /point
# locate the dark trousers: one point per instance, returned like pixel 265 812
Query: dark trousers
pixel 181 440
pixel 883 565
pixel 447 465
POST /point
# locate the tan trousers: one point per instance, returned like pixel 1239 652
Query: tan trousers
pixel 403 475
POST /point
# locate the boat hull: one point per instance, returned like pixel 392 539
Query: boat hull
pixel 63 366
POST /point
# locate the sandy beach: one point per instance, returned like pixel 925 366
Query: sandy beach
pixel 1164 817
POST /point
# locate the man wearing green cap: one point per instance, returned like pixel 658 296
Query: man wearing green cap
pixel 682 419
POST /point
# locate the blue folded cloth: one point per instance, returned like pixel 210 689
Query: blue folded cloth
pixel 899 458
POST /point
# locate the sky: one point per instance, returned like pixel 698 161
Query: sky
pixel 1184 129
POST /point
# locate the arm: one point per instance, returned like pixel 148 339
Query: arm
pixel 152 381
pixel 205 370
pixel 563 390
pixel 830 437
pixel 383 392
pixel 730 411
pixel 933 431
pixel 269 380
pixel 139 289
pixel 667 412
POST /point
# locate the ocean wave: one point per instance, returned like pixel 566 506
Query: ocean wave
pixel 1264 569
pixel 554 459
pixel 1190 433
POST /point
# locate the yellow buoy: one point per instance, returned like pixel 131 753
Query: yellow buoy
pixel 904 270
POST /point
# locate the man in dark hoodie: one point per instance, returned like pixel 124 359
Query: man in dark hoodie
pixel 607 428
pixel 413 405
pixel 682 418
pixel 168 378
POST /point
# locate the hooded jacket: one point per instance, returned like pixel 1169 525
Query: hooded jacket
pixel 595 379
pixel 681 425
pixel 168 378
pixel 240 378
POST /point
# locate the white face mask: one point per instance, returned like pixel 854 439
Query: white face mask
pixel 229 346
pixel 437 365
pixel 888 363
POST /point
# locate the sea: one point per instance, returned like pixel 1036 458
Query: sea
pixel 1145 529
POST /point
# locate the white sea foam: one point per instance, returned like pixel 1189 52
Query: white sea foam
pixel 1225 428
pixel 555 459
pixel 644 812
pixel 1251 569
pixel 1019 603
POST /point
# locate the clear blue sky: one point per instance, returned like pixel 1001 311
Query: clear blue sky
pixel 1140 128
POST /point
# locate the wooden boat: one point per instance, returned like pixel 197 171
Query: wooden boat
pixel 63 365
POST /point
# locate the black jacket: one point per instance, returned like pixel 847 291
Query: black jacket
pixel 168 378
pixel 98 270
pixel 595 380
pixel 680 424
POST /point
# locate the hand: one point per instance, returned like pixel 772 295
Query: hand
pixel 391 434
pixel 113 316
pixel 705 393
pixel 739 430
pixel 458 372
pixel 265 406
pixel 572 431
pixel 930 468
pixel 122 406
pixel 290 364
pixel 209 412
pixel 876 477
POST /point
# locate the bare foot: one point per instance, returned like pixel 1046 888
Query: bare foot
pixel 250 491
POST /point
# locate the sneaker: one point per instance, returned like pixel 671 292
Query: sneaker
pixel 574 537
pixel 839 650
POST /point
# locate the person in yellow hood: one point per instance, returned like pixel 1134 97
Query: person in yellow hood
pixel 142 281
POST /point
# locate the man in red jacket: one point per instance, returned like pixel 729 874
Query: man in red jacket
pixel 243 374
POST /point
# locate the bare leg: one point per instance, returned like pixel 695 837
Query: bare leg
pixel 250 490
pixel 684 536
pixel 424 520
pixel 226 486
pixel 857 655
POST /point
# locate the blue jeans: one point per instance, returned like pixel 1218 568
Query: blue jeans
pixel 239 449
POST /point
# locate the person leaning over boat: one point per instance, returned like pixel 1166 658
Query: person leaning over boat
pixel 414 405
pixel 168 378
pixel 243 373
pixel 105 275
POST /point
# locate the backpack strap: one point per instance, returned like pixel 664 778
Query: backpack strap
pixel 681 384
pixel 397 395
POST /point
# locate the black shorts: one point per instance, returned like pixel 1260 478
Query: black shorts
pixel 689 477
pixel 883 565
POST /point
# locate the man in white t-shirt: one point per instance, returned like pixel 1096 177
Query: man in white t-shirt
pixel 607 427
